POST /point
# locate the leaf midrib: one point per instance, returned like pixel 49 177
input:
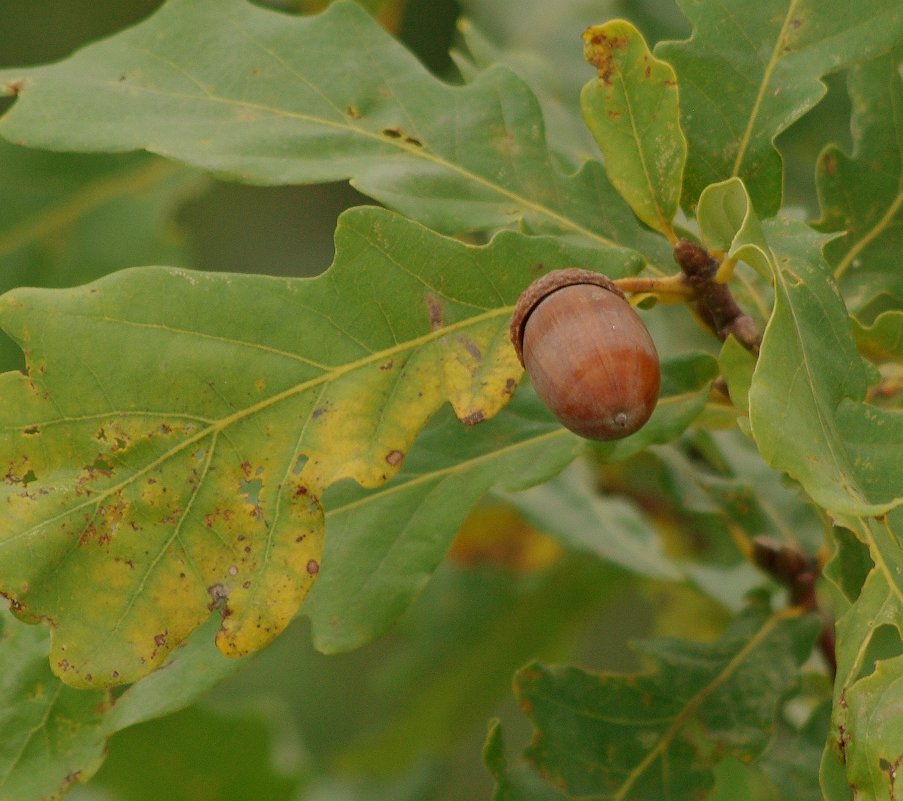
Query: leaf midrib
pixel 663 221
pixel 770 67
pixel 697 700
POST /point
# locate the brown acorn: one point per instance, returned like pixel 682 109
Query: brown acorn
pixel 587 352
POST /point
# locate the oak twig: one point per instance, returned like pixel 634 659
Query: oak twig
pixel 798 573
pixel 714 301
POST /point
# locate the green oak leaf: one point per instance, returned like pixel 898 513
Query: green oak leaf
pixel 882 341
pixel 861 195
pixel 874 705
pixel 659 734
pixel 849 567
pixel 866 738
pixel 808 418
pixel 513 782
pixel 551 65
pixel 806 400
pixel 143 493
pixel 55 735
pixel 737 365
pixel 316 99
pixel 728 224
pixel 792 758
pixel 52 733
pixel 632 110
pixel 751 69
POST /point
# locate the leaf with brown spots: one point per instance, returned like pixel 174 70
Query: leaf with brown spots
pixel 631 108
pixel 866 738
pixel 143 493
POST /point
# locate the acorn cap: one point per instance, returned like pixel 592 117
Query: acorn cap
pixel 542 287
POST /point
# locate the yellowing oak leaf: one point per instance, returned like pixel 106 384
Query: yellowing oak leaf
pixel 165 454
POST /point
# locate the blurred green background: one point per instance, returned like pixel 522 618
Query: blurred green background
pixel 404 718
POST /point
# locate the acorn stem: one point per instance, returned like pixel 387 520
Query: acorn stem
pixel 669 287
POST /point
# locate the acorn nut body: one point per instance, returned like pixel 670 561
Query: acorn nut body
pixel 588 353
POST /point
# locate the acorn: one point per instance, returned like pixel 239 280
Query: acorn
pixel 589 356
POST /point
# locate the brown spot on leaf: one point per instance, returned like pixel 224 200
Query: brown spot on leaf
pixel 470 346
pixel 32 430
pixel 829 164
pixel 218 594
pixel 474 417
pixel 890 768
pixel 599 52
pixel 313 567
pixel 14 87
pixel 434 308
pixel 510 386
pixel 394 458
pixel 88 534
pixel 842 742
pixel 388 365
pixel 160 639
pixel 354 112
pixel 393 132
